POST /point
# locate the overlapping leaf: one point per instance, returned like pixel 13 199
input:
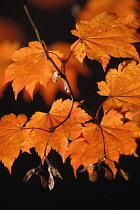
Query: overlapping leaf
pixel 43 124
pixel 72 70
pixel 122 86
pixel 31 67
pixel 111 139
pixel 106 35
pixel 13 138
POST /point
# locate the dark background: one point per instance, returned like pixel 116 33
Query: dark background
pixel 70 193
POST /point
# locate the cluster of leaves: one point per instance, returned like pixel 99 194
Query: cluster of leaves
pixel 69 128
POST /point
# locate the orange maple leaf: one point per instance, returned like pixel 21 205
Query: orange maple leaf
pixel 42 125
pixel 106 35
pixel 31 67
pixel 106 141
pixel 122 86
pixel 13 138
pixel 72 71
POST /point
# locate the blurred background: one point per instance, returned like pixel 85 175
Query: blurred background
pixel 55 19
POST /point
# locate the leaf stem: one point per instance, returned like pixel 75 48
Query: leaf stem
pixel 99 108
pixel 72 50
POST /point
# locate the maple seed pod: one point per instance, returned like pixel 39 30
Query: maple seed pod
pixel 123 173
pixel 108 173
pixel 38 171
pixel 94 175
pixel 29 174
pixel 42 175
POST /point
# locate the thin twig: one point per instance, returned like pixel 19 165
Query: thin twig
pixel 99 108
pixel 34 26
pixel 38 35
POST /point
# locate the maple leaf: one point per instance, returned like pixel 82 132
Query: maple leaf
pixel 122 86
pixel 13 138
pixel 58 138
pixel 31 67
pixel 106 35
pixel 104 142
pixel 71 70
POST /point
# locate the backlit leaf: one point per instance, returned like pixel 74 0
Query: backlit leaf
pixel 13 138
pixel 122 86
pixel 110 139
pixel 31 67
pixel 106 35
pixel 42 125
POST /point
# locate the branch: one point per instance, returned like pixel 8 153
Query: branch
pixel 58 71
pixel 34 26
